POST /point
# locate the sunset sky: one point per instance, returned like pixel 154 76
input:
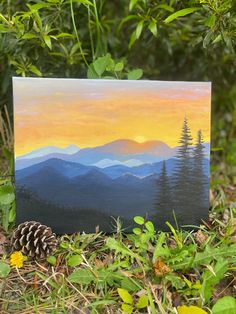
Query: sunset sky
pixel 89 113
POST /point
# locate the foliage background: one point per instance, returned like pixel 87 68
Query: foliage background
pixel 169 40
pixel 61 38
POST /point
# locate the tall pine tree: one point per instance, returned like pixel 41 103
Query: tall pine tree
pixel 201 181
pixel 163 204
pixel 182 178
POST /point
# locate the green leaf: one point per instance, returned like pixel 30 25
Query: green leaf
pixel 212 277
pixel 137 231
pixel 47 41
pixel 83 276
pixel 51 260
pixel 153 28
pixel 91 73
pixel 4 29
pixel 12 213
pixel 7 194
pixel 210 22
pixel 149 226
pixel 161 249
pixel 225 305
pixel 29 36
pixel 142 302
pixel 130 284
pixel 35 70
pixel 127 309
pixel 101 63
pixel 4 270
pixel 75 260
pixel 135 74
pixel 139 220
pixel 133 38
pixel 183 309
pixel 125 296
pixel 180 13
pixel 165 7
pixel 132 4
pixel 119 66
pixel 139 29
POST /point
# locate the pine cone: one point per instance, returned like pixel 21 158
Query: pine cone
pixel 34 239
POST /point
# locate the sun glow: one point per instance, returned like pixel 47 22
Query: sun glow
pixel 89 113
pixel 140 139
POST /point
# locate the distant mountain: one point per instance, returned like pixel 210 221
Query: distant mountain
pixel 71 149
pixel 140 171
pixel 121 152
pixel 104 163
pixel 65 168
pixel 73 170
pixel 131 147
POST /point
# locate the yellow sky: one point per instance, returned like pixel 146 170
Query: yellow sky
pixel 89 113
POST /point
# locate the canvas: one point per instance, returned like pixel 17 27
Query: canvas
pixel 89 151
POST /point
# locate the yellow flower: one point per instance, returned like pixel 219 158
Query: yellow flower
pixel 17 259
pixel 183 309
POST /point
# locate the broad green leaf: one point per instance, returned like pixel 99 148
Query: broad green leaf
pixel 139 220
pixel 125 296
pixel 225 305
pixel 180 13
pixel 4 270
pixel 139 29
pixel 137 231
pixel 150 227
pixel 142 302
pixel 83 276
pixel 91 73
pixel 75 260
pixel 153 28
pixel 126 308
pixel 51 260
pixel 183 309
pixel 101 63
pixel 7 194
pixel 119 66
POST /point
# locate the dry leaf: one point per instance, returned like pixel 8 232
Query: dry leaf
pixel 200 237
pixel 160 268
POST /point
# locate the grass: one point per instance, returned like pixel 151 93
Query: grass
pixel 148 271
pixel 86 270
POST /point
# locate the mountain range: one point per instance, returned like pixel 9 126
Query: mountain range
pixel 108 190
pixel 120 152
pixel 72 169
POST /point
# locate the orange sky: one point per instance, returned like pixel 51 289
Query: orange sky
pixel 90 113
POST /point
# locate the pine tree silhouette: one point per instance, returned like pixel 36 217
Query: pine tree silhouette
pixel 163 204
pixel 182 177
pixel 200 196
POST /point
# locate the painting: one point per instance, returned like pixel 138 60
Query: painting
pixel 90 151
